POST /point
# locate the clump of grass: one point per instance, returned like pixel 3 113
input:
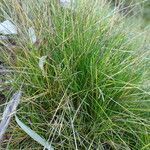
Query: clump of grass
pixel 91 94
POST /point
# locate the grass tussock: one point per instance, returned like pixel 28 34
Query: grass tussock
pixel 90 91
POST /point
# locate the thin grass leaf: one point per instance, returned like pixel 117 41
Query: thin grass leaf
pixel 34 135
pixel 8 112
